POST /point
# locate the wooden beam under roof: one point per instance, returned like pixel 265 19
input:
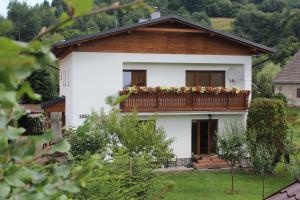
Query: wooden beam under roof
pixel 174 30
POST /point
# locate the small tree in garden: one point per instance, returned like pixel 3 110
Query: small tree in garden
pixel 261 161
pixel 267 126
pixel 232 146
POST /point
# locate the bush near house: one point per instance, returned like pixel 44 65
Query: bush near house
pixel 267 125
pixel 131 149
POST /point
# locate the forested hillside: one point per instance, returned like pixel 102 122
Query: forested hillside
pixel 275 23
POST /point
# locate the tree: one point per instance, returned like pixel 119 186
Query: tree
pixel 42 83
pixel 261 161
pixel 5 26
pixel 264 80
pixel 232 146
pixel 267 126
pixel 27 20
pixel 273 5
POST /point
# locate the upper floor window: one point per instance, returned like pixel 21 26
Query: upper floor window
pixel 205 78
pixel 298 92
pixel 134 78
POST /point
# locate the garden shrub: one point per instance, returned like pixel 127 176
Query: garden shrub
pixel 296 122
pixel 106 133
pixel 124 177
pixel 267 125
pixel 128 145
pixel 280 96
pixel 90 137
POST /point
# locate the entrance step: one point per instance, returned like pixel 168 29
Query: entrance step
pixel 210 162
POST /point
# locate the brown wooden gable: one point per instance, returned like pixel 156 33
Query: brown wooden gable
pixel 164 41
pixel 164 36
pixel 55 105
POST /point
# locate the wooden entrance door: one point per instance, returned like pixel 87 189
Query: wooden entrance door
pixel 204 136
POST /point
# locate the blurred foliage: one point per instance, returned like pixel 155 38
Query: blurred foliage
pixel 22 174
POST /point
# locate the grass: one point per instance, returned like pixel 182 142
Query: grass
pixel 294 125
pixel 199 185
pixel 220 23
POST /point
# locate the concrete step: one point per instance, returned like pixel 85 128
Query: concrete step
pixel 210 166
pixel 210 162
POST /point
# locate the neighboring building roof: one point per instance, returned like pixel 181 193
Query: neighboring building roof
pixel 53 102
pixel 291 72
pixel 291 192
pixel 88 37
pixel 32 108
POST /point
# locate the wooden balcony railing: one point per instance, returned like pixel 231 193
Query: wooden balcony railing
pixel 166 102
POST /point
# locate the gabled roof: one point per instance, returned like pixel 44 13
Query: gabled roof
pixel 290 192
pixel 53 102
pixel 291 72
pixel 89 37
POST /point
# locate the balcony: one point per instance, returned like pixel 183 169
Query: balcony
pixel 166 101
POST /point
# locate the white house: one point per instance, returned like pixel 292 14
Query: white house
pixel 287 82
pixel 169 52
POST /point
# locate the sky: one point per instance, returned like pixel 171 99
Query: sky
pixel 4 4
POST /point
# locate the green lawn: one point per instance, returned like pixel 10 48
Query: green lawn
pixel 213 185
pixel 221 23
pixel 294 125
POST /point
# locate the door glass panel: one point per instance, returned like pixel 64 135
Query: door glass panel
pixel 194 137
pixel 213 135
pixel 203 78
pixel 189 79
pixel 204 137
pixel 127 79
pixel 217 79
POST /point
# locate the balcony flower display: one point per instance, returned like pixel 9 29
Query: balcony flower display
pixel 183 90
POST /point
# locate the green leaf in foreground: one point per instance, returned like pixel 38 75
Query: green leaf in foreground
pixel 4 190
pixel 62 146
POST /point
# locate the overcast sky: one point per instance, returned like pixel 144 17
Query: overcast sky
pixel 4 4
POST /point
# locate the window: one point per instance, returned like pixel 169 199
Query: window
pixel 64 78
pixel 298 92
pixel 68 76
pixel 205 78
pixel 134 78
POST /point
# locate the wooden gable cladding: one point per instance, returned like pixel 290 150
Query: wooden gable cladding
pixel 58 107
pixel 165 40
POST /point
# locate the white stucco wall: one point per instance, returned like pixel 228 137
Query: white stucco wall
pixel 290 91
pixel 179 127
pixel 94 76
pixel 66 86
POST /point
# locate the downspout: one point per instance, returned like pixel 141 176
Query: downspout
pixel 258 64
pixel 53 67
pixel 262 62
